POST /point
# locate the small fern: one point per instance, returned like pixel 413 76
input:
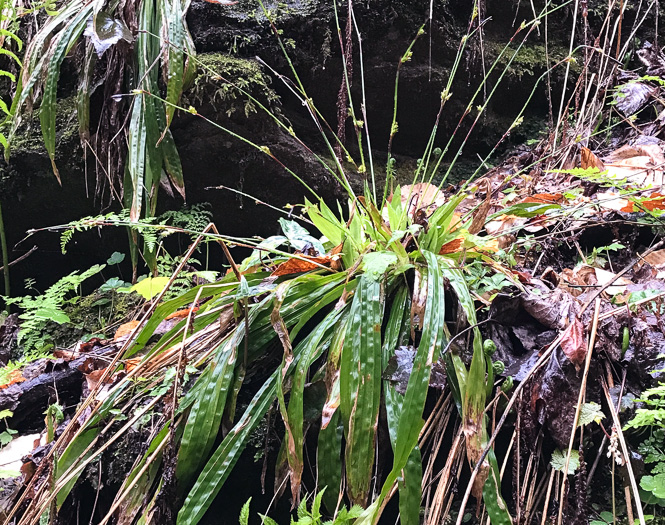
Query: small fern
pixel 312 516
pixel 87 223
pixel 193 218
pixel 40 310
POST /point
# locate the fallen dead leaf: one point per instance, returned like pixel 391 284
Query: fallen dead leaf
pixel 656 258
pixel 89 345
pixel 92 379
pixel 619 286
pixel 125 329
pixel 452 246
pixel 544 198
pixel 505 224
pixel 15 376
pixel 655 201
pixel 297 265
pixel 589 160
pixel 336 257
pixel 480 216
pixel 67 355
pixel 421 197
pixel 584 276
pixel 181 314
pixel 573 343
pixel 131 364
pixel 610 200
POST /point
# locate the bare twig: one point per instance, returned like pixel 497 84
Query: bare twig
pixel 626 453
pixel 18 260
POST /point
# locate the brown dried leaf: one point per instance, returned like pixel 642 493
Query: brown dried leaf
pixel 67 355
pixel 92 379
pixel 422 196
pixel 181 314
pixel 552 310
pixel 480 216
pixel 656 258
pixel 89 345
pixel 299 265
pixel 544 198
pixel 589 160
pixel 125 329
pixel 656 201
pixel 15 376
pixel 573 343
pixel 452 246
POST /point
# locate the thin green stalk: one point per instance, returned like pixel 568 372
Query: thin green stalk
pixel 445 96
pixel 5 255
pixel 263 149
pixel 314 112
pixel 393 126
pixel 364 102
pixel 357 124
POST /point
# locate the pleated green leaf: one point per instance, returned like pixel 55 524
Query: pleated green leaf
pixel 413 404
pixel 224 458
pixel 329 461
pixel 173 19
pixel 205 416
pixel 360 386
pixel 410 489
pixel 397 321
pixel 74 453
pixel 47 111
pixel 409 485
pixel 136 158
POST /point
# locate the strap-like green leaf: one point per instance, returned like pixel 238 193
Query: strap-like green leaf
pixel 136 158
pixel 224 458
pixel 360 386
pixel 47 111
pixel 410 417
pixel 174 22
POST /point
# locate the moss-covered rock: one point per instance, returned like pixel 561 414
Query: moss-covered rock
pixel 232 85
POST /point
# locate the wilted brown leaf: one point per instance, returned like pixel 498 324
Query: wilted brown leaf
pixel 480 215
pixel 422 196
pixel 89 345
pixel 181 314
pixel 452 246
pixel 15 376
pixel 656 201
pixel 125 329
pixel 297 265
pixel 92 379
pixel 28 468
pixel 573 343
pixel 641 165
pixel 544 198
pixel 656 258
pixel 589 160
pixel 552 310
pixel 67 355
pixel 336 258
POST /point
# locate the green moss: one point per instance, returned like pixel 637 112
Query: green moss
pixel 531 60
pixel 232 85
pixel 28 137
pixel 279 11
